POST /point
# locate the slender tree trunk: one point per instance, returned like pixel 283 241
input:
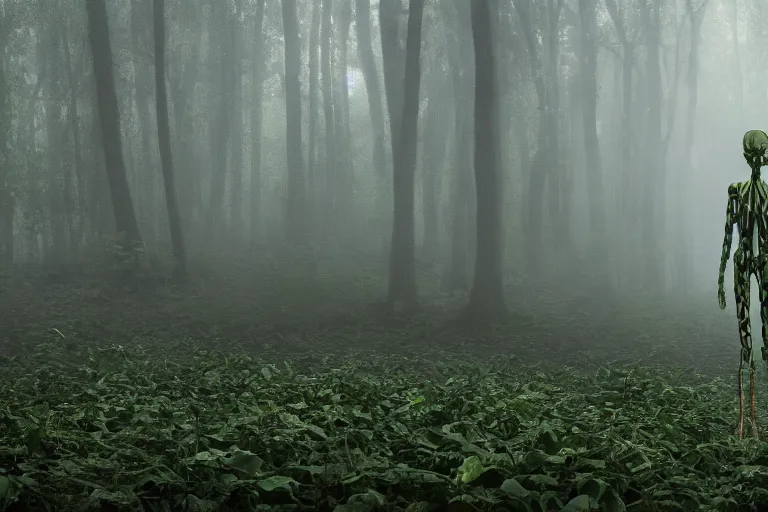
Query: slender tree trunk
pixel 145 173
pixel 461 58
pixel 236 190
pixel 402 266
pixel 7 206
pixel 595 192
pixel 486 299
pixel 74 122
pixel 164 141
pixel 109 115
pixel 295 215
pixel 372 85
pixel 653 180
pixel 331 181
pixel 433 158
pixel 343 129
pixel 257 117
pixel 223 125
pixel 314 85
pixel 55 173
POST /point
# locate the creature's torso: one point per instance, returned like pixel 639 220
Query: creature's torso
pixel 750 206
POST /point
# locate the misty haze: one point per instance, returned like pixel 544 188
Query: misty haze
pixel 383 255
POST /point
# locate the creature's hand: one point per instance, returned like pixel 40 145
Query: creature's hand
pixel 721 297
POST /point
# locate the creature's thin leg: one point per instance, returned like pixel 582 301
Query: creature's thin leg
pixel 752 398
pixel 741 275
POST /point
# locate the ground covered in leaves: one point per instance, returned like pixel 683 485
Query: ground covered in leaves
pixel 267 390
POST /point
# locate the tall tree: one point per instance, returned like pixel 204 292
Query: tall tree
pixel 109 116
pixel 588 54
pixel 653 207
pixel 402 263
pixel 486 299
pixel 164 141
pixel 257 117
pixel 461 57
pixel 372 84
pixel 236 190
pixel 326 36
pixel 314 86
pixel 294 216
pixel 144 166
pixel 342 21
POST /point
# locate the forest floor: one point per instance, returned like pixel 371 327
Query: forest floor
pixel 260 385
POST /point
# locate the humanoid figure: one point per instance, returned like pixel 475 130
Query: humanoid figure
pixel 748 211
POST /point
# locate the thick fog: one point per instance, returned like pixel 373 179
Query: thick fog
pixel 602 135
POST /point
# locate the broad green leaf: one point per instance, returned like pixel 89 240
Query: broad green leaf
pixel 276 482
pixel 513 488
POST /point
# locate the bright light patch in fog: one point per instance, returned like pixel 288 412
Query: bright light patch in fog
pixel 353 79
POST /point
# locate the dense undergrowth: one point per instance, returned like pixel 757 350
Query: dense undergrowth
pixel 111 429
pixel 262 391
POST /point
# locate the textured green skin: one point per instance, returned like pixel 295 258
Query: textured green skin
pixel 748 210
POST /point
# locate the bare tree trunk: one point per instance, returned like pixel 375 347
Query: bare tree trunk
pixel 652 184
pixel 57 251
pixel 433 159
pixel 595 191
pixel 314 84
pixel 486 300
pixel 257 117
pixel 295 219
pixel 164 141
pixel 223 125
pixel 236 190
pixel 98 30
pixel 343 129
pixel 145 173
pixel 330 178
pixel 7 203
pixel 74 122
pixel 402 266
pixel 461 56
pixel 372 85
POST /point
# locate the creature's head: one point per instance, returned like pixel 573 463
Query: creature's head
pixel 755 148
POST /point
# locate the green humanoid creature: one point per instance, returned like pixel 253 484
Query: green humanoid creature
pixel 748 211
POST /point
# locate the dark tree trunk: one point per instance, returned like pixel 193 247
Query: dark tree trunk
pixel 109 115
pixel 295 218
pixel 164 141
pixel 144 173
pixel 486 299
pixel 402 266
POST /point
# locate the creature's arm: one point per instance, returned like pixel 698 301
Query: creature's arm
pixel 730 218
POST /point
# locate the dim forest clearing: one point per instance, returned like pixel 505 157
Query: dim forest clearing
pixel 271 389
